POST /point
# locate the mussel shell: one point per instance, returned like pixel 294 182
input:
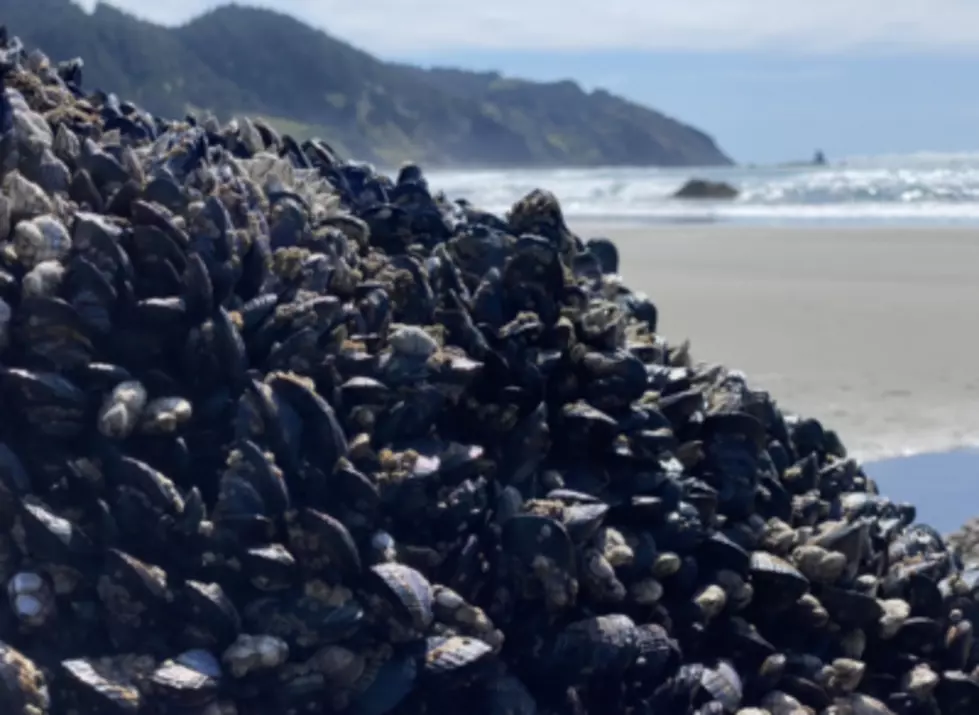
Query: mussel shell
pixel 920 635
pixel 407 591
pixel 507 695
pixel 51 538
pixel 392 683
pixel 658 656
pixel 850 608
pixel 720 552
pixel 15 481
pixel 775 579
pixel 135 575
pixel 210 619
pixel 724 685
pixel 584 520
pixel 323 543
pixel 270 568
pixel 456 657
pixel 304 622
pixel 179 685
pixel 597 646
pixel 529 536
pixel 323 438
pixel 90 693
pixel 150 482
pixel 198 292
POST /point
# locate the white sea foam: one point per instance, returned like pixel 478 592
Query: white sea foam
pixel 919 188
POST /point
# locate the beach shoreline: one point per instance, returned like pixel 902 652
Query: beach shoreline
pixel 872 330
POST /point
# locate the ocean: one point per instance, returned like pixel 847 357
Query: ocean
pixel 918 189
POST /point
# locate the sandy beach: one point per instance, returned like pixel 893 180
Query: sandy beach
pixel 873 330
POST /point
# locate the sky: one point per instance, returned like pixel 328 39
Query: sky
pixel 770 80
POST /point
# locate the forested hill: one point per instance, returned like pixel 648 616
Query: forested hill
pixel 237 60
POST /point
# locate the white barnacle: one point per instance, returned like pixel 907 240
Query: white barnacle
pixel 384 545
pixel 121 410
pixel 43 280
pixel 412 341
pixel 251 653
pixel 165 414
pixel 30 597
pixel 44 238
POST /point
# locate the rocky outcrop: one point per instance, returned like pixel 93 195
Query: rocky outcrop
pixel 704 189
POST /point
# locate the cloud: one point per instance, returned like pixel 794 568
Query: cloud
pixel 405 27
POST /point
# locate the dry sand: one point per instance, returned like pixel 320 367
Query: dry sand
pixel 875 331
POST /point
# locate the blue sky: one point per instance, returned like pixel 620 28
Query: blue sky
pixel 771 80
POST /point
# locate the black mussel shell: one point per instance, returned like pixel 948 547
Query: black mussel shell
pixel 528 537
pixel 850 608
pixel 270 568
pixel 50 538
pixel 776 581
pixel 323 545
pixel 209 618
pixel 719 552
pixel 584 520
pixel 455 657
pixel 724 685
pixel 180 686
pixel 86 691
pixel 304 621
pixel 406 590
pixel 599 646
pixel 392 683
pixel 507 695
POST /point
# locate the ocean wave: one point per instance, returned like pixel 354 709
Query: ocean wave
pixel 920 187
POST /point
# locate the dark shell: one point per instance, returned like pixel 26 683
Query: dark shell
pixel 528 537
pixel 156 487
pixel 720 552
pixel 270 568
pixel 506 695
pixel 87 691
pixel 584 520
pixel 406 590
pixel 51 538
pixel 305 621
pixel 323 439
pixel 134 594
pixel 455 657
pixel 266 478
pixel 724 685
pixel 777 581
pixel 178 685
pixel 599 646
pixel 23 687
pixel 324 545
pixel 392 683
pixel 659 655
pixel 850 608
pixel 209 618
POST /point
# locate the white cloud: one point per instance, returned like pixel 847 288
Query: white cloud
pixel 397 27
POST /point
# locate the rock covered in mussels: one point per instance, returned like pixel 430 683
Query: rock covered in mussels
pixel 284 434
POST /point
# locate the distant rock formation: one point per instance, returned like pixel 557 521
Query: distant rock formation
pixel 704 189
pixel 819 159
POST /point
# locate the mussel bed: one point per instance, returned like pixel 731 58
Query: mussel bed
pixel 283 434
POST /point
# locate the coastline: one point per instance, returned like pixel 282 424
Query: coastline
pixel 871 330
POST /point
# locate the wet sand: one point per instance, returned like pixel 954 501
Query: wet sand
pixel 875 331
